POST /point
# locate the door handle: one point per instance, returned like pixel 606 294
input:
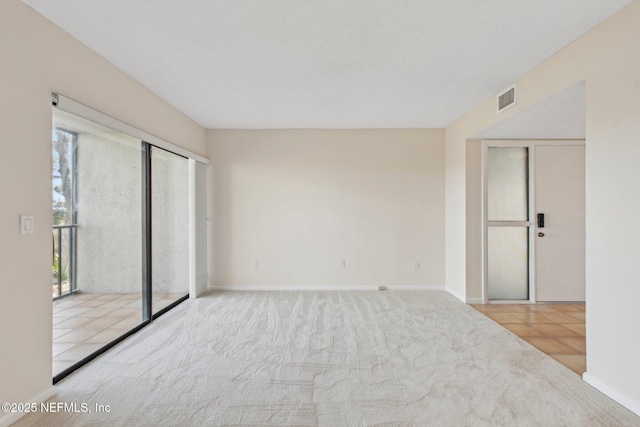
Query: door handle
pixel 541 234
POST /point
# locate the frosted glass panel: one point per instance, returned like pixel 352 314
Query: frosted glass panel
pixel 508 263
pixel 507 184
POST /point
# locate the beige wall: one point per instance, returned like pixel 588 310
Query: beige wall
pixel 382 190
pixel 607 58
pixel 473 236
pixel 37 59
pixel 298 201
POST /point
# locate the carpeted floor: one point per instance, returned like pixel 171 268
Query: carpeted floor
pixel 331 359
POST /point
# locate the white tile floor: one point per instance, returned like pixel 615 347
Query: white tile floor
pixel 82 323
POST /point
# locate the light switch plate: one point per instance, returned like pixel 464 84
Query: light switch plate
pixel 26 224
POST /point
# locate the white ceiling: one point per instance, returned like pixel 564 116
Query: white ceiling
pixel 326 64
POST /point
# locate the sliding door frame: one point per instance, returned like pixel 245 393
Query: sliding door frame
pixel 486 223
pixel 147 160
pixel 148 142
pixel 147 231
pixel 531 145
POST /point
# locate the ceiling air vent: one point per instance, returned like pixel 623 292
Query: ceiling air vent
pixel 507 98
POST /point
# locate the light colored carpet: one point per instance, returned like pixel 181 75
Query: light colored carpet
pixel 331 359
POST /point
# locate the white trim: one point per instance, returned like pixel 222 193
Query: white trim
pixel 608 390
pixel 89 113
pixel 511 223
pixel 414 288
pixel 531 144
pixel 201 285
pixel 292 288
pixel 483 217
pixel 193 289
pixel 13 417
pixel 533 289
pixel 560 142
pixel 456 294
pixel 510 301
pixel 459 296
pixel 325 288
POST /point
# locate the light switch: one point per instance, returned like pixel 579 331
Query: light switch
pixel 26 224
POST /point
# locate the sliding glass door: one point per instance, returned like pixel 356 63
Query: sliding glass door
pixel 120 237
pixel 170 228
pixel 98 214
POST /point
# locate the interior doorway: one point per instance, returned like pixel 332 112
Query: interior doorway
pixel 533 220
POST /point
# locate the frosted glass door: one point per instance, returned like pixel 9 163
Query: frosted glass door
pixel 508 223
pixel 508 263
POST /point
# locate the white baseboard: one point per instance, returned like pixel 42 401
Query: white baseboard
pixel 12 417
pixel 414 288
pixel 455 294
pixel 325 288
pixel 290 288
pixel 201 286
pixel 464 299
pixel 608 390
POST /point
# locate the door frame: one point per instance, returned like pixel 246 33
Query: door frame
pixel 531 144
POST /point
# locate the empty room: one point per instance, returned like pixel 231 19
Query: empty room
pixel 320 213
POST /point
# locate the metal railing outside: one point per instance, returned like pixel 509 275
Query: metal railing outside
pixel 64 260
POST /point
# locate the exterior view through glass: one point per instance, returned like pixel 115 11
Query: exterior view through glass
pixel 106 192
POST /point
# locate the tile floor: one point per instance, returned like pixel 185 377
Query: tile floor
pixel 555 329
pixel 82 323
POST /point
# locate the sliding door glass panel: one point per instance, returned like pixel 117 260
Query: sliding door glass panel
pixel 63 180
pixel 105 209
pixel 507 184
pixel 508 263
pixel 170 227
